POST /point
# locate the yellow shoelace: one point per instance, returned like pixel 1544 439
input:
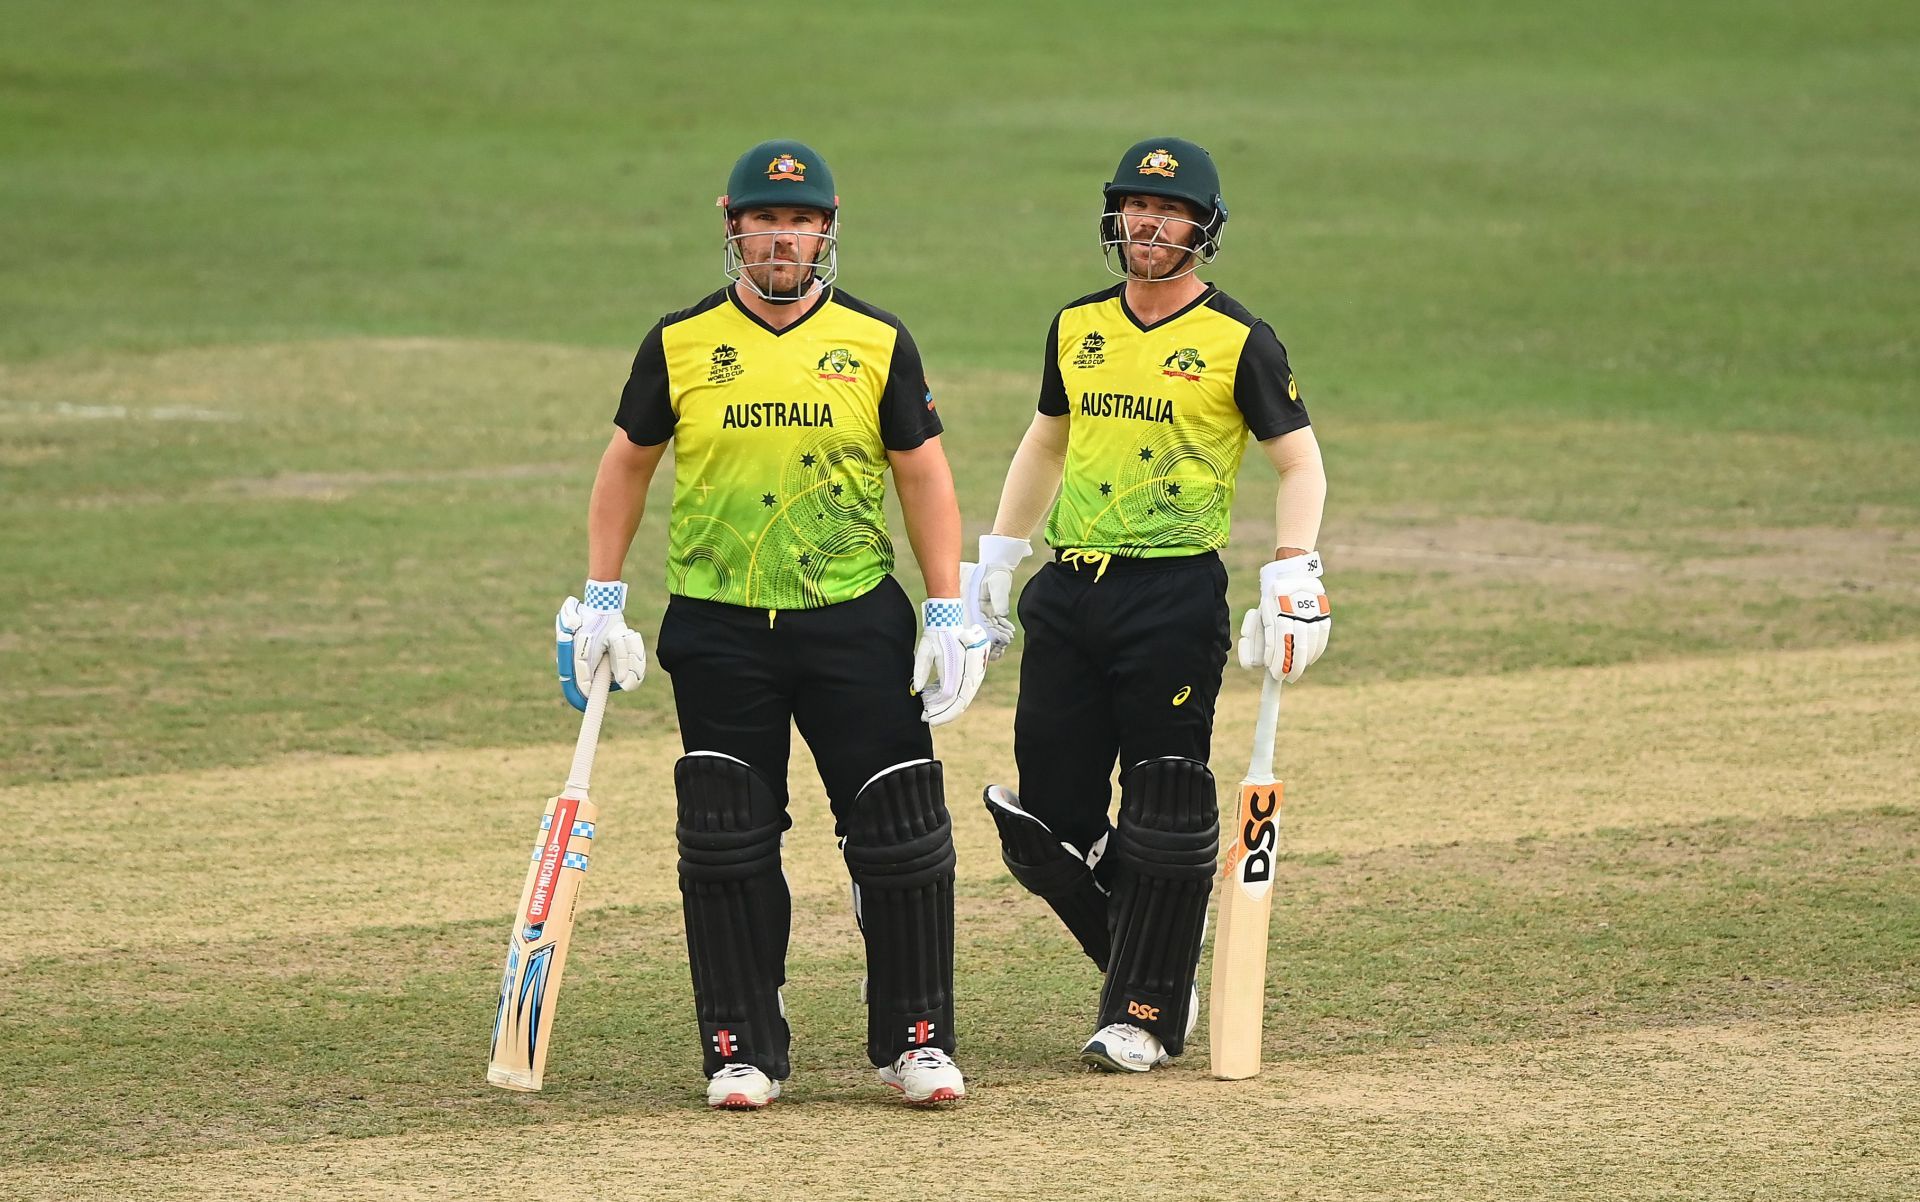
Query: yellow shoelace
pixel 1076 557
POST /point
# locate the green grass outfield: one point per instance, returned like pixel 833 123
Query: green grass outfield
pixel 312 319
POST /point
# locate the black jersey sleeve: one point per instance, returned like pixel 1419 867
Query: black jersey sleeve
pixel 646 405
pixel 1263 386
pixel 1053 390
pixel 907 417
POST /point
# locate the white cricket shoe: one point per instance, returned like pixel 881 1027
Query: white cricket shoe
pixel 925 1076
pixel 1125 1048
pixel 741 1087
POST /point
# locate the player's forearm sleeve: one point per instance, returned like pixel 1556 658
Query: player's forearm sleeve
pixel 1302 495
pixel 1033 477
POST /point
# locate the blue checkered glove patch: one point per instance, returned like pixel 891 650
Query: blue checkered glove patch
pixel 942 611
pixel 606 595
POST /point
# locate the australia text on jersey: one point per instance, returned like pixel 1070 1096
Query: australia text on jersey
pixel 1127 405
pixel 777 414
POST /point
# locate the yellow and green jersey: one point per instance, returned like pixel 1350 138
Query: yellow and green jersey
pixel 1158 420
pixel 780 446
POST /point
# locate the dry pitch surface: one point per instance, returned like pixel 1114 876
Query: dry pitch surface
pixel 1815 1098
pixel 1804 1111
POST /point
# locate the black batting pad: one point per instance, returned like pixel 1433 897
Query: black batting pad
pixel 899 850
pixel 1164 852
pixel 737 909
pixel 1053 872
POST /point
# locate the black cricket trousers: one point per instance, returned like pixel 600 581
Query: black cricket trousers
pixel 743 677
pixel 1123 662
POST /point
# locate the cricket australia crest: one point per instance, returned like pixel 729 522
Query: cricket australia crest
pixel 1185 363
pixel 1159 162
pixel 838 364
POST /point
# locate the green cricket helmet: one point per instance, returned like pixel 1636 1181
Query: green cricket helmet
pixel 780 173
pixel 1165 167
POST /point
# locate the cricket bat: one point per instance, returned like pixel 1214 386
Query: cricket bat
pixel 543 925
pixel 1238 1001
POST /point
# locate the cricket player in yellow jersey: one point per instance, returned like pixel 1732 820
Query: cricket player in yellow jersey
pixel 787 402
pixel 1149 393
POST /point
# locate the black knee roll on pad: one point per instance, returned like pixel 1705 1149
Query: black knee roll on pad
pixel 1164 850
pixel 1052 872
pixel 899 850
pixel 737 908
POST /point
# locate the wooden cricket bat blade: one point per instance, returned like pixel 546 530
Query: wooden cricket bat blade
pixel 1238 1000
pixel 537 946
pixel 543 925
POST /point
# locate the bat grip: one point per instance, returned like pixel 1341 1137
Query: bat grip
pixel 1260 771
pixel 589 739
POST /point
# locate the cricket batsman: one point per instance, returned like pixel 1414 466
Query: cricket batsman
pixel 787 402
pixel 1149 391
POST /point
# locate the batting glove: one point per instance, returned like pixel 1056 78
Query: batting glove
pixel 953 651
pixel 988 588
pixel 584 631
pixel 1289 630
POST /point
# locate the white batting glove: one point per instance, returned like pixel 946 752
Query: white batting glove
pixel 952 650
pixel 988 588
pixel 585 631
pixel 1289 630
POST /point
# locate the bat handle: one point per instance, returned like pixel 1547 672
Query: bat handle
pixel 589 739
pixel 1260 771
